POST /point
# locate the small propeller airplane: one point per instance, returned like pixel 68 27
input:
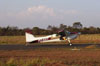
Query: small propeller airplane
pixel 63 36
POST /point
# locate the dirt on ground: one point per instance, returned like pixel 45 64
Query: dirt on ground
pixel 62 57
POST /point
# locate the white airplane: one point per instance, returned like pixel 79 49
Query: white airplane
pixel 63 36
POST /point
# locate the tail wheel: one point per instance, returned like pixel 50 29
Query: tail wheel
pixel 27 44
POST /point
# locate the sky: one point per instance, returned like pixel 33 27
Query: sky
pixel 41 13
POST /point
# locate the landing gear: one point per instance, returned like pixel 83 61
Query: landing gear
pixel 69 42
pixel 26 44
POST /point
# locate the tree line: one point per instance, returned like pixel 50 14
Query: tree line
pixel 77 27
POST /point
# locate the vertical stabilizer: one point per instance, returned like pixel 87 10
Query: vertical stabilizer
pixel 29 37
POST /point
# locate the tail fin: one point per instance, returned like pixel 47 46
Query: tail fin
pixel 29 36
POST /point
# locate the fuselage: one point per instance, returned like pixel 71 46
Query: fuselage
pixel 51 38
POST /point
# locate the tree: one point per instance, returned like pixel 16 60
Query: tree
pixel 0 31
pixel 77 25
pixel 62 26
pixel 36 30
pixel 49 27
pixel 92 30
pixel 55 29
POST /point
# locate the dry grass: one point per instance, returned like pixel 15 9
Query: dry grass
pixel 51 58
pixel 91 38
pixel 88 38
pixel 12 40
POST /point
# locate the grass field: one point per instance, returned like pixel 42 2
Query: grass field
pixel 91 38
pixel 50 58
pixel 88 56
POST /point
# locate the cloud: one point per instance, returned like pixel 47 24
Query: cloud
pixel 38 16
pixel 45 11
pixel 68 12
pixel 41 10
pixel 71 12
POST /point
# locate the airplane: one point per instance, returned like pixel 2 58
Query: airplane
pixel 62 34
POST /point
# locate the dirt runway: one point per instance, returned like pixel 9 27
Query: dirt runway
pixel 37 46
